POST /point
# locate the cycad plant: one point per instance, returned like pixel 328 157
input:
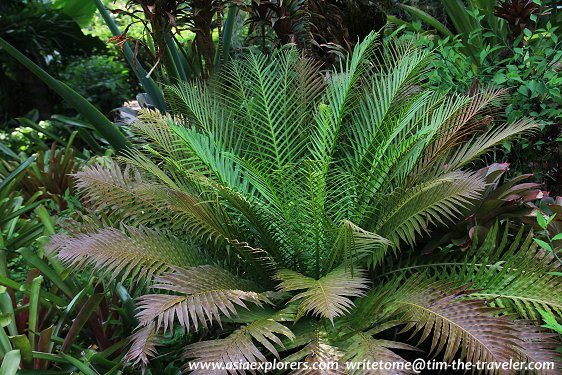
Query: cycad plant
pixel 275 213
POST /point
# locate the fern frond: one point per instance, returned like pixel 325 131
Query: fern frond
pixel 327 297
pixel 139 254
pixel 239 346
pixel 204 293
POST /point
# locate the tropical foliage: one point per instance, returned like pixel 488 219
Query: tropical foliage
pixel 276 212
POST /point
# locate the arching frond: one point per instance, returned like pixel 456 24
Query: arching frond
pixel 472 117
pixel 204 293
pixel 139 254
pixel 510 273
pixel 407 214
pixel 108 187
pixel 238 347
pixel 539 346
pixel 273 101
pixel 143 347
pixel 457 326
pixel 476 146
pixel 354 244
pixel 339 99
pixel 327 297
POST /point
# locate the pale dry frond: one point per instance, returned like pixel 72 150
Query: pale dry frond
pixel 143 346
pixel 203 295
pixel 327 297
pixel 365 348
pixel 135 253
pixel 456 325
pixel 240 346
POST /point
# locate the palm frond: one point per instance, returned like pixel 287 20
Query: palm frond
pixel 458 326
pixel 239 346
pixel 354 244
pixel 364 347
pixel 320 356
pixel 477 146
pixel 139 254
pixel 327 297
pixel 509 272
pixel 108 187
pixel 406 214
pixel 143 346
pixel 473 116
pixel 338 100
pixel 273 100
pixel 539 346
pixel 204 293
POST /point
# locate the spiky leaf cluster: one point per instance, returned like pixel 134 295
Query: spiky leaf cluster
pixel 267 209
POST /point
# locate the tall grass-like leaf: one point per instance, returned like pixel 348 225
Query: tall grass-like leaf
pixel 11 363
pixel 106 128
pixel 428 19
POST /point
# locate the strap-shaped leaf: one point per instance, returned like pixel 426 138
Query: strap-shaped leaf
pixel 132 253
pixel 204 293
pixel 239 347
pixel 327 297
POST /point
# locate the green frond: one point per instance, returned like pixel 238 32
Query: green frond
pixel 338 100
pixel 472 117
pixel 479 145
pixel 203 294
pixel 354 244
pixel 239 346
pixel 135 253
pixel 272 101
pixel 509 272
pixel 404 215
pixel 327 297
pixel 520 278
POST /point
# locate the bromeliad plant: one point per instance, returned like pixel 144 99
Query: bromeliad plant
pixel 269 210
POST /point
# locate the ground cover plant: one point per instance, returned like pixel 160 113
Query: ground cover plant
pixel 276 213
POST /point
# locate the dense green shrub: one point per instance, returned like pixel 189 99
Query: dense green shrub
pixel 103 80
pixel 531 69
